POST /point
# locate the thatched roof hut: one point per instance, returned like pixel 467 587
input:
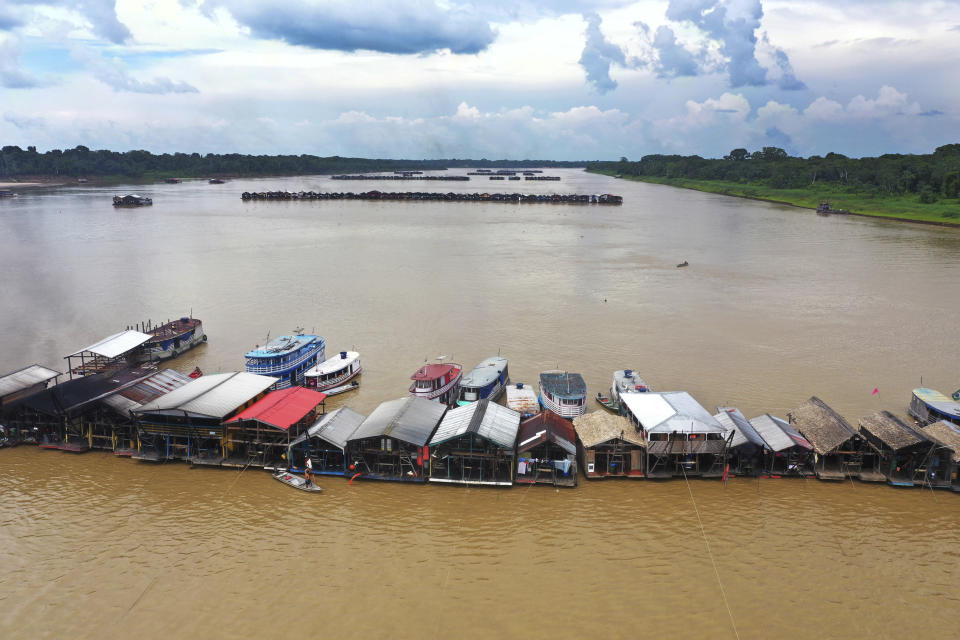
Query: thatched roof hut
pixel 823 427
pixel 946 435
pixel 598 427
pixel 885 428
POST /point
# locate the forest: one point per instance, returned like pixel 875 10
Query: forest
pixel 82 162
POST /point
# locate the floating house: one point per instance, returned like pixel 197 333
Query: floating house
pixel 391 444
pixel 119 351
pixel 943 470
pixel 187 423
pixel 897 452
pixel 682 438
pixel 746 449
pixel 838 447
pixel 486 380
pixel 547 451
pixel 131 200
pixel 609 446
pixel 474 445
pixel 120 428
pixel 286 358
pixel 787 452
pixel 262 433
pixel 522 399
pixel 563 393
pixel 928 406
pixel 325 442
pixel 24 382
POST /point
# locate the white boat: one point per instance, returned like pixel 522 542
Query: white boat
pixel 563 393
pixel 297 481
pixel 438 382
pixel 523 400
pixel 333 373
pixel 350 386
pixel 627 381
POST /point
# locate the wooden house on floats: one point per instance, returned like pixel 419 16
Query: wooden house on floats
pixel 896 451
pixel 787 454
pixel 745 452
pixel 547 451
pixel 838 447
pixel 118 427
pixel 609 446
pixel 943 470
pixel 392 442
pixel 475 444
pixel 188 422
pixel 928 406
pixel 682 438
pixel 325 442
pixel 122 350
pixel 261 434
pixel 16 385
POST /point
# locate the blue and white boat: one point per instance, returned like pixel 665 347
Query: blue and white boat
pixel 486 380
pixel 286 358
pixel 563 393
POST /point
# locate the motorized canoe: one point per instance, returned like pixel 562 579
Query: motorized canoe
pixel 297 482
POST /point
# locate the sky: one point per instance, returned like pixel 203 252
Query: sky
pixel 497 79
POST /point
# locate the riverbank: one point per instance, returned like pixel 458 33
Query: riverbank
pixel 902 208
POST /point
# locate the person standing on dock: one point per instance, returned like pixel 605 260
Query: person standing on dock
pixel 308 470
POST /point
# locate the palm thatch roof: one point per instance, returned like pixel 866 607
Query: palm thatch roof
pixel 599 427
pixel 890 430
pixel 822 426
pixel 946 435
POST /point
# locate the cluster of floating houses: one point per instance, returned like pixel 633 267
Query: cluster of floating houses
pixel 600 198
pixel 400 176
pixel 449 428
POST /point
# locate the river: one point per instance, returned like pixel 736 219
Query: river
pixel 777 304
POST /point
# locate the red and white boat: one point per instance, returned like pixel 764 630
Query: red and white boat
pixel 440 382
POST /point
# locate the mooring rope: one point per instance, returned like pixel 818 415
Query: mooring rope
pixel 723 592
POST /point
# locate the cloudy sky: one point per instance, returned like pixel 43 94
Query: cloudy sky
pixel 561 79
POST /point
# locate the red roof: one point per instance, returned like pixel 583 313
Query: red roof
pixel 282 409
pixel 434 371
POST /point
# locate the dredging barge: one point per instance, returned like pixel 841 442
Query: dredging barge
pixel 601 198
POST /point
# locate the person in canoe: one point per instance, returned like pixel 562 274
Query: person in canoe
pixel 308 470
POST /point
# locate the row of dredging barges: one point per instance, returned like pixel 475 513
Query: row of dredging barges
pixel 400 176
pixel 597 198
pixel 450 428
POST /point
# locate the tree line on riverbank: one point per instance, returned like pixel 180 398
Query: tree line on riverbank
pixel 931 177
pixel 81 162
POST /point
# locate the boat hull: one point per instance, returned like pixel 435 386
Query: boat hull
pixel 173 347
pixel 564 411
pixel 297 482
pixel 341 381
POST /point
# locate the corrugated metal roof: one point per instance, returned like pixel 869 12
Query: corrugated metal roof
pixel 409 419
pixel 215 396
pixel 335 427
pixel 485 372
pixel 117 344
pixel 670 411
pixel 282 409
pixel 743 432
pixel 490 421
pixel 25 378
pixel 777 433
pixel 563 384
pixel 146 390
pixel 546 426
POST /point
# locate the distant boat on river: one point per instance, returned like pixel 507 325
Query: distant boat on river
pixel 131 200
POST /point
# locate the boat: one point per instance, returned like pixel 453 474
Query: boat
pixel 608 403
pixel 6 193
pixel 563 393
pixel 131 200
pixel 215 181
pixel 624 381
pixel 523 400
pixel 196 373
pixel 286 358
pixel 350 386
pixel 438 382
pixel 824 209
pixel 172 338
pixel 486 380
pixel 683 264
pixel 297 482
pixel 334 372
pixel 172 180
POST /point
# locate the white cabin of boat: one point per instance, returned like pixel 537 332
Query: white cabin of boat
pixel 334 372
pixel 486 380
pixel 563 393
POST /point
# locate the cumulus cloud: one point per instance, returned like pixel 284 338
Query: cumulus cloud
pixel 8 18
pixel 11 76
pixel 101 15
pixel 24 122
pixel 598 54
pixel 421 26
pixel 673 59
pixel 113 73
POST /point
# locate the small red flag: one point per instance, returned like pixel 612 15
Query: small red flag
pixel 875 391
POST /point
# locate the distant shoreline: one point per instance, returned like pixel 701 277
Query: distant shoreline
pixel 776 196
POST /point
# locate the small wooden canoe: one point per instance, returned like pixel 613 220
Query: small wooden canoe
pixel 608 403
pixel 296 481
pixel 350 386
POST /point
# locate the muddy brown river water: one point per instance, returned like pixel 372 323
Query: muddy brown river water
pixel 776 305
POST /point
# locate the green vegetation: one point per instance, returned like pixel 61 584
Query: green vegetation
pixel 81 162
pixel 911 187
